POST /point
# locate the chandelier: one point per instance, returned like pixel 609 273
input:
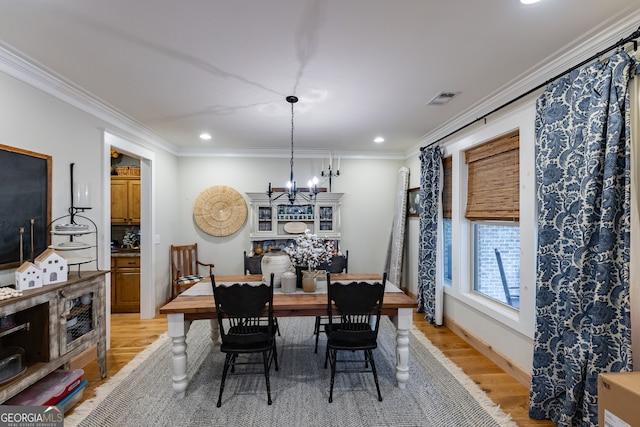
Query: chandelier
pixel 291 191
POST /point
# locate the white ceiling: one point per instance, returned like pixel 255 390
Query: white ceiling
pixel 361 68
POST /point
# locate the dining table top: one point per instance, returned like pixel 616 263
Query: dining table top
pixel 284 304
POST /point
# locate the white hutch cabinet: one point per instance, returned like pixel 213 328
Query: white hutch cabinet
pixel 272 220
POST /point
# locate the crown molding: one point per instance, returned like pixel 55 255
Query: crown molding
pixel 36 75
pixel 27 70
pixel 600 38
pixel 285 154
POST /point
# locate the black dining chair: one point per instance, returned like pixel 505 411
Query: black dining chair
pixel 359 306
pixel 252 264
pixel 242 309
pixel 338 264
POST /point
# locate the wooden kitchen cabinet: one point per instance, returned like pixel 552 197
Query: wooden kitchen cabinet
pixel 125 284
pixel 125 200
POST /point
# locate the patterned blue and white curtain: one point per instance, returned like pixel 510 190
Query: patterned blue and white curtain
pixel 583 192
pixel 430 202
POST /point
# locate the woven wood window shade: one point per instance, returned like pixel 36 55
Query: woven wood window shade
pixel 447 164
pixel 494 179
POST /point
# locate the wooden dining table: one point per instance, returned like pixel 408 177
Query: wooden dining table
pixel 190 306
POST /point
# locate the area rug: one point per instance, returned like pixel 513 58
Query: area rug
pixel 437 393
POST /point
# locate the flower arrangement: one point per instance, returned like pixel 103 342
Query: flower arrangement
pixel 309 250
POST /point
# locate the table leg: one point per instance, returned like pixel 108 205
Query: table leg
pixel 215 332
pixel 177 330
pixel 403 323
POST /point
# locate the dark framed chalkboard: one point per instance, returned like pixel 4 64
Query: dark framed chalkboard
pixel 25 204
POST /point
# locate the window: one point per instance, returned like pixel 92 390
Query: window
pixel 493 201
pixel 497 261
pixel 446 225
pixel 447 254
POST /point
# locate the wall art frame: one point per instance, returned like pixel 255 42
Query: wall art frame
pixel 413 202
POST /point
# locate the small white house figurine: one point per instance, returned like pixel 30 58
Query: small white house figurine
pixel 53 266
pixel 28 276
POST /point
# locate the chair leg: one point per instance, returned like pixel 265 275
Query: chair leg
pixel 316 331
pixel 375 373
pixel 333 356
pixel 234 356
pixel 275 322
pixel 265 360
pixel 326 357
pixel 275 354
pixel 225 370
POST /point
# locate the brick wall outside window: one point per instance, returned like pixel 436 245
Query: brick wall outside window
pixel 507 240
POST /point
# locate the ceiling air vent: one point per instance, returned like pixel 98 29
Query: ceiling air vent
pixel 442 98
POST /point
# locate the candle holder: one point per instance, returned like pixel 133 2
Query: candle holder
pixel 79 195
pixel 333 169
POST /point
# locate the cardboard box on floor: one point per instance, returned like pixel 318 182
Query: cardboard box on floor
pixel 619 399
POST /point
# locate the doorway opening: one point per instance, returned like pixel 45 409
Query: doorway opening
pixel 142 234
pixel 125 233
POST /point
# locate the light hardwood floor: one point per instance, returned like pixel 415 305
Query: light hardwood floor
pixel 505 391
pixel 130 335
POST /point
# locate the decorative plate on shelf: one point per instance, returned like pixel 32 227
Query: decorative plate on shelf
pixel 267 243
pixel 295 227
pixel 72 227
pixel 73 244
pixel 220 211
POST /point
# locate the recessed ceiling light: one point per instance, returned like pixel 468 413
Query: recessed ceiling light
pixel 205 136
pixel 378 140
pixel 529 1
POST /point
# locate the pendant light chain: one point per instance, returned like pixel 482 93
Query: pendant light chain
pixel 292 191
pixel 292 101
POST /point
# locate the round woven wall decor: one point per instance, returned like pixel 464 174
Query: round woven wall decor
pixel 220 211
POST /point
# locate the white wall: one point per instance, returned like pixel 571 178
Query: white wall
pixel 368 211
pixel 366 215
pixel 35 121
pixel 166 212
